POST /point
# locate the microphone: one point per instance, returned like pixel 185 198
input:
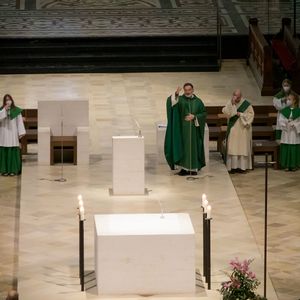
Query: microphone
pixel 8 112
pixel 139 127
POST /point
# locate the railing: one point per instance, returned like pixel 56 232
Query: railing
pixel 260 58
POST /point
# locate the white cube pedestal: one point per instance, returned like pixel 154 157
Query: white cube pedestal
pixel 144 254
pixel 128 165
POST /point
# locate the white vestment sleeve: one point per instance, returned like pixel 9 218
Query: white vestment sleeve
pixel 229 110
pixel 278 103
pixel 283 122
pixel 247 116
pixel 3 114
pixel 174 99
pixel 296 124
pixel 20 125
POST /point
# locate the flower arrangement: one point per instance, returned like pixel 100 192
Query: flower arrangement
pixel 242 283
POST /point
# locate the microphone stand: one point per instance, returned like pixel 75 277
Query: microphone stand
pixel 190 177
pixel 61 179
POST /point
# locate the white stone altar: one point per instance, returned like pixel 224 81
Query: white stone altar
pixel 161 128
pixel 128 165
pixel 75 117
pixel 144 254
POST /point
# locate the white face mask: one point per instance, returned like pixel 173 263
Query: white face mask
pixel 9 102
pixel 286 88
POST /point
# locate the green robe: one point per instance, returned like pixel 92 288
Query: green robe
pixel 10 157
pixel 290 153
pixel 184 141
pixel 281 94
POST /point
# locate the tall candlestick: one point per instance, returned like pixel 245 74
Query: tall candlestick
pixel 208 211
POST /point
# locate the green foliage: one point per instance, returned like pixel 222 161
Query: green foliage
pixel 242 283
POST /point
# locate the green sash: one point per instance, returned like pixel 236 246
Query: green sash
pixel 14 112
pixel 286 112
pixel 233 119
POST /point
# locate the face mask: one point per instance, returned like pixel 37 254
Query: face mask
pixel 286 89
pixel 9 102
pixel 288 102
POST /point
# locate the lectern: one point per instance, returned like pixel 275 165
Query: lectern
pixel 128 165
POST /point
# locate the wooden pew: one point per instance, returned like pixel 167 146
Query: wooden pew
pixel 30 117
pixel 260 58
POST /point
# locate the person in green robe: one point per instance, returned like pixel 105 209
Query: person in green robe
pixel 280 102
pixel 289 122
pixel 184 140
pixel 11 130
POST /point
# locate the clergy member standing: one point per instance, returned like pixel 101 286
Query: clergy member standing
pixel 240 115
pixel 289 122
pixel 184 141
pixel 11 130
pixel 280 102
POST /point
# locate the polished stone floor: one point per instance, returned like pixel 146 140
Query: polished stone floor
pixel 38 216
pixel 138 17
pixel 284 225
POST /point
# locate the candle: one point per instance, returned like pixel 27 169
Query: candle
pixel 208 210
pixel 205 203
pixel 203 198
pixel 80 201
pixel 81 213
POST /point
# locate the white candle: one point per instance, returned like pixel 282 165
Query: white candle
pixel 205 203
pixel 208 210
pixel 203 198
pixel 80 201
pixel 81 213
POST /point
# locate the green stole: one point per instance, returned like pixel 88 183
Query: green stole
pixel 14 112
pixel 286 112
pixel 242 108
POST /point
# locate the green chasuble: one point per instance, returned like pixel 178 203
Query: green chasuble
pixel 184 141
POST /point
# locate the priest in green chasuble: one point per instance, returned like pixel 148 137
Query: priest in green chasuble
pixel 289 122
pixel 240 115
pixel 184 141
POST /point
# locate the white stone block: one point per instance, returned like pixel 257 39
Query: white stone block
pixel 144 254
pixel 44 137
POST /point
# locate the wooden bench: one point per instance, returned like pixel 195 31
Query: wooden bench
pixel 260 147
pixel 258 132
pixel 215 135
pixel 69 145
pixel 30 137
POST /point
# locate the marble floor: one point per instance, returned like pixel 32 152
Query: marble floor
pixel 39 249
